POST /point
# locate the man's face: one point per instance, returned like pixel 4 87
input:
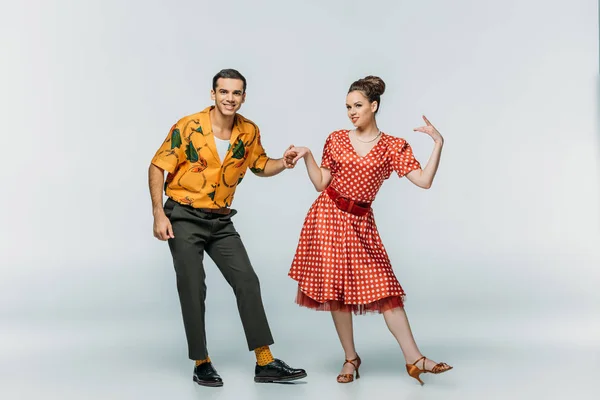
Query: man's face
pixel 229 95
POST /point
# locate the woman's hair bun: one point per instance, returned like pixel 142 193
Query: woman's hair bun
pixel 376 84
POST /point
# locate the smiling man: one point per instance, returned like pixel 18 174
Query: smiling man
pixel 206 156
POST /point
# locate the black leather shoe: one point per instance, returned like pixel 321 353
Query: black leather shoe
pixel 206 375
pixel 277 371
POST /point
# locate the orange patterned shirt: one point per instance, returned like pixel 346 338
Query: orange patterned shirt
pixel 196 175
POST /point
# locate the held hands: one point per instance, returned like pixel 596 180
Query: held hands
pixel 293 154
pixel 288 157
pixel 430 130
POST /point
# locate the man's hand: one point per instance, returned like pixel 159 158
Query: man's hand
pixel 162 227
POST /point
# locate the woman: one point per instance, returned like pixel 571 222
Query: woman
pixel 341 264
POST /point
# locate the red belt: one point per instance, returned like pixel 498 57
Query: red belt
pixel 358 208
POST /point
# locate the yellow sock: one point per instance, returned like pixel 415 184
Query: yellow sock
pixel 263 355
pixel 200 362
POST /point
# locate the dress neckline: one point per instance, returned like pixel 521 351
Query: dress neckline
pixel 347 135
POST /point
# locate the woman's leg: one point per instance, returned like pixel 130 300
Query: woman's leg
pixel 397 323
pixel 343 325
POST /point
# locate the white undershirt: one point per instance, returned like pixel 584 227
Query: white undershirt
pixel 222 147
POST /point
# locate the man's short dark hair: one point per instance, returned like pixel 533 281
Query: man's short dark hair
pixel 228 74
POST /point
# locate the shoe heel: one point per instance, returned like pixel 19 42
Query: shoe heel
pixel 415 372
pixel 347 378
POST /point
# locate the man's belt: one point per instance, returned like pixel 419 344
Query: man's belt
pixel 221 211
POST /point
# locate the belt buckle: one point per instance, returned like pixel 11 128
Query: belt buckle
pixel 350 206
pixel 340 198
pixel 350 203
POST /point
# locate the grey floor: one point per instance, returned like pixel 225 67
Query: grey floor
pixel 125 359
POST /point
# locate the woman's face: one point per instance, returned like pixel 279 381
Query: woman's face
pixel 360 111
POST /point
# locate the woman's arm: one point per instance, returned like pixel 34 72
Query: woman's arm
pixel 424 177
pixel 320 177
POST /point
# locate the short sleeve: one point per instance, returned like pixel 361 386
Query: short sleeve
pixel 171 153
pixel 327 159
pixel 258 156
pixel 403 159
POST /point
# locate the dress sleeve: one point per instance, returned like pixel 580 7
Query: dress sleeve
pixel 403 159
pixel 327 159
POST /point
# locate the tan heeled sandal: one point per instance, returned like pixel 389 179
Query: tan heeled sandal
pixel 347 378
pixel 415 371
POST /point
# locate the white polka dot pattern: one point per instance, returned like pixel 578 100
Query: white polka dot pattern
pixel 340 256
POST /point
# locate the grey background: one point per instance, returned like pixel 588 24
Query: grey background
pixel 499 259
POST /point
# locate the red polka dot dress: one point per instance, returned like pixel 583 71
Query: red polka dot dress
pixel 340 262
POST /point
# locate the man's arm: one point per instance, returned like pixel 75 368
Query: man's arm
pixel 272 168
pixel 162 226
pixel 156 180
pixel 276 166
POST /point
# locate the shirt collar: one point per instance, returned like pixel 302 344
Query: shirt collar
pixel 206 132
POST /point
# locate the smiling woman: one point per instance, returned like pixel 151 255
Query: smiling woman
pixel 341 264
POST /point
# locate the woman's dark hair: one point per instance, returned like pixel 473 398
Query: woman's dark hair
pixel 228 74
pixel 372 87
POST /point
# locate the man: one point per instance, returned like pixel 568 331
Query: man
pixel 206 156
